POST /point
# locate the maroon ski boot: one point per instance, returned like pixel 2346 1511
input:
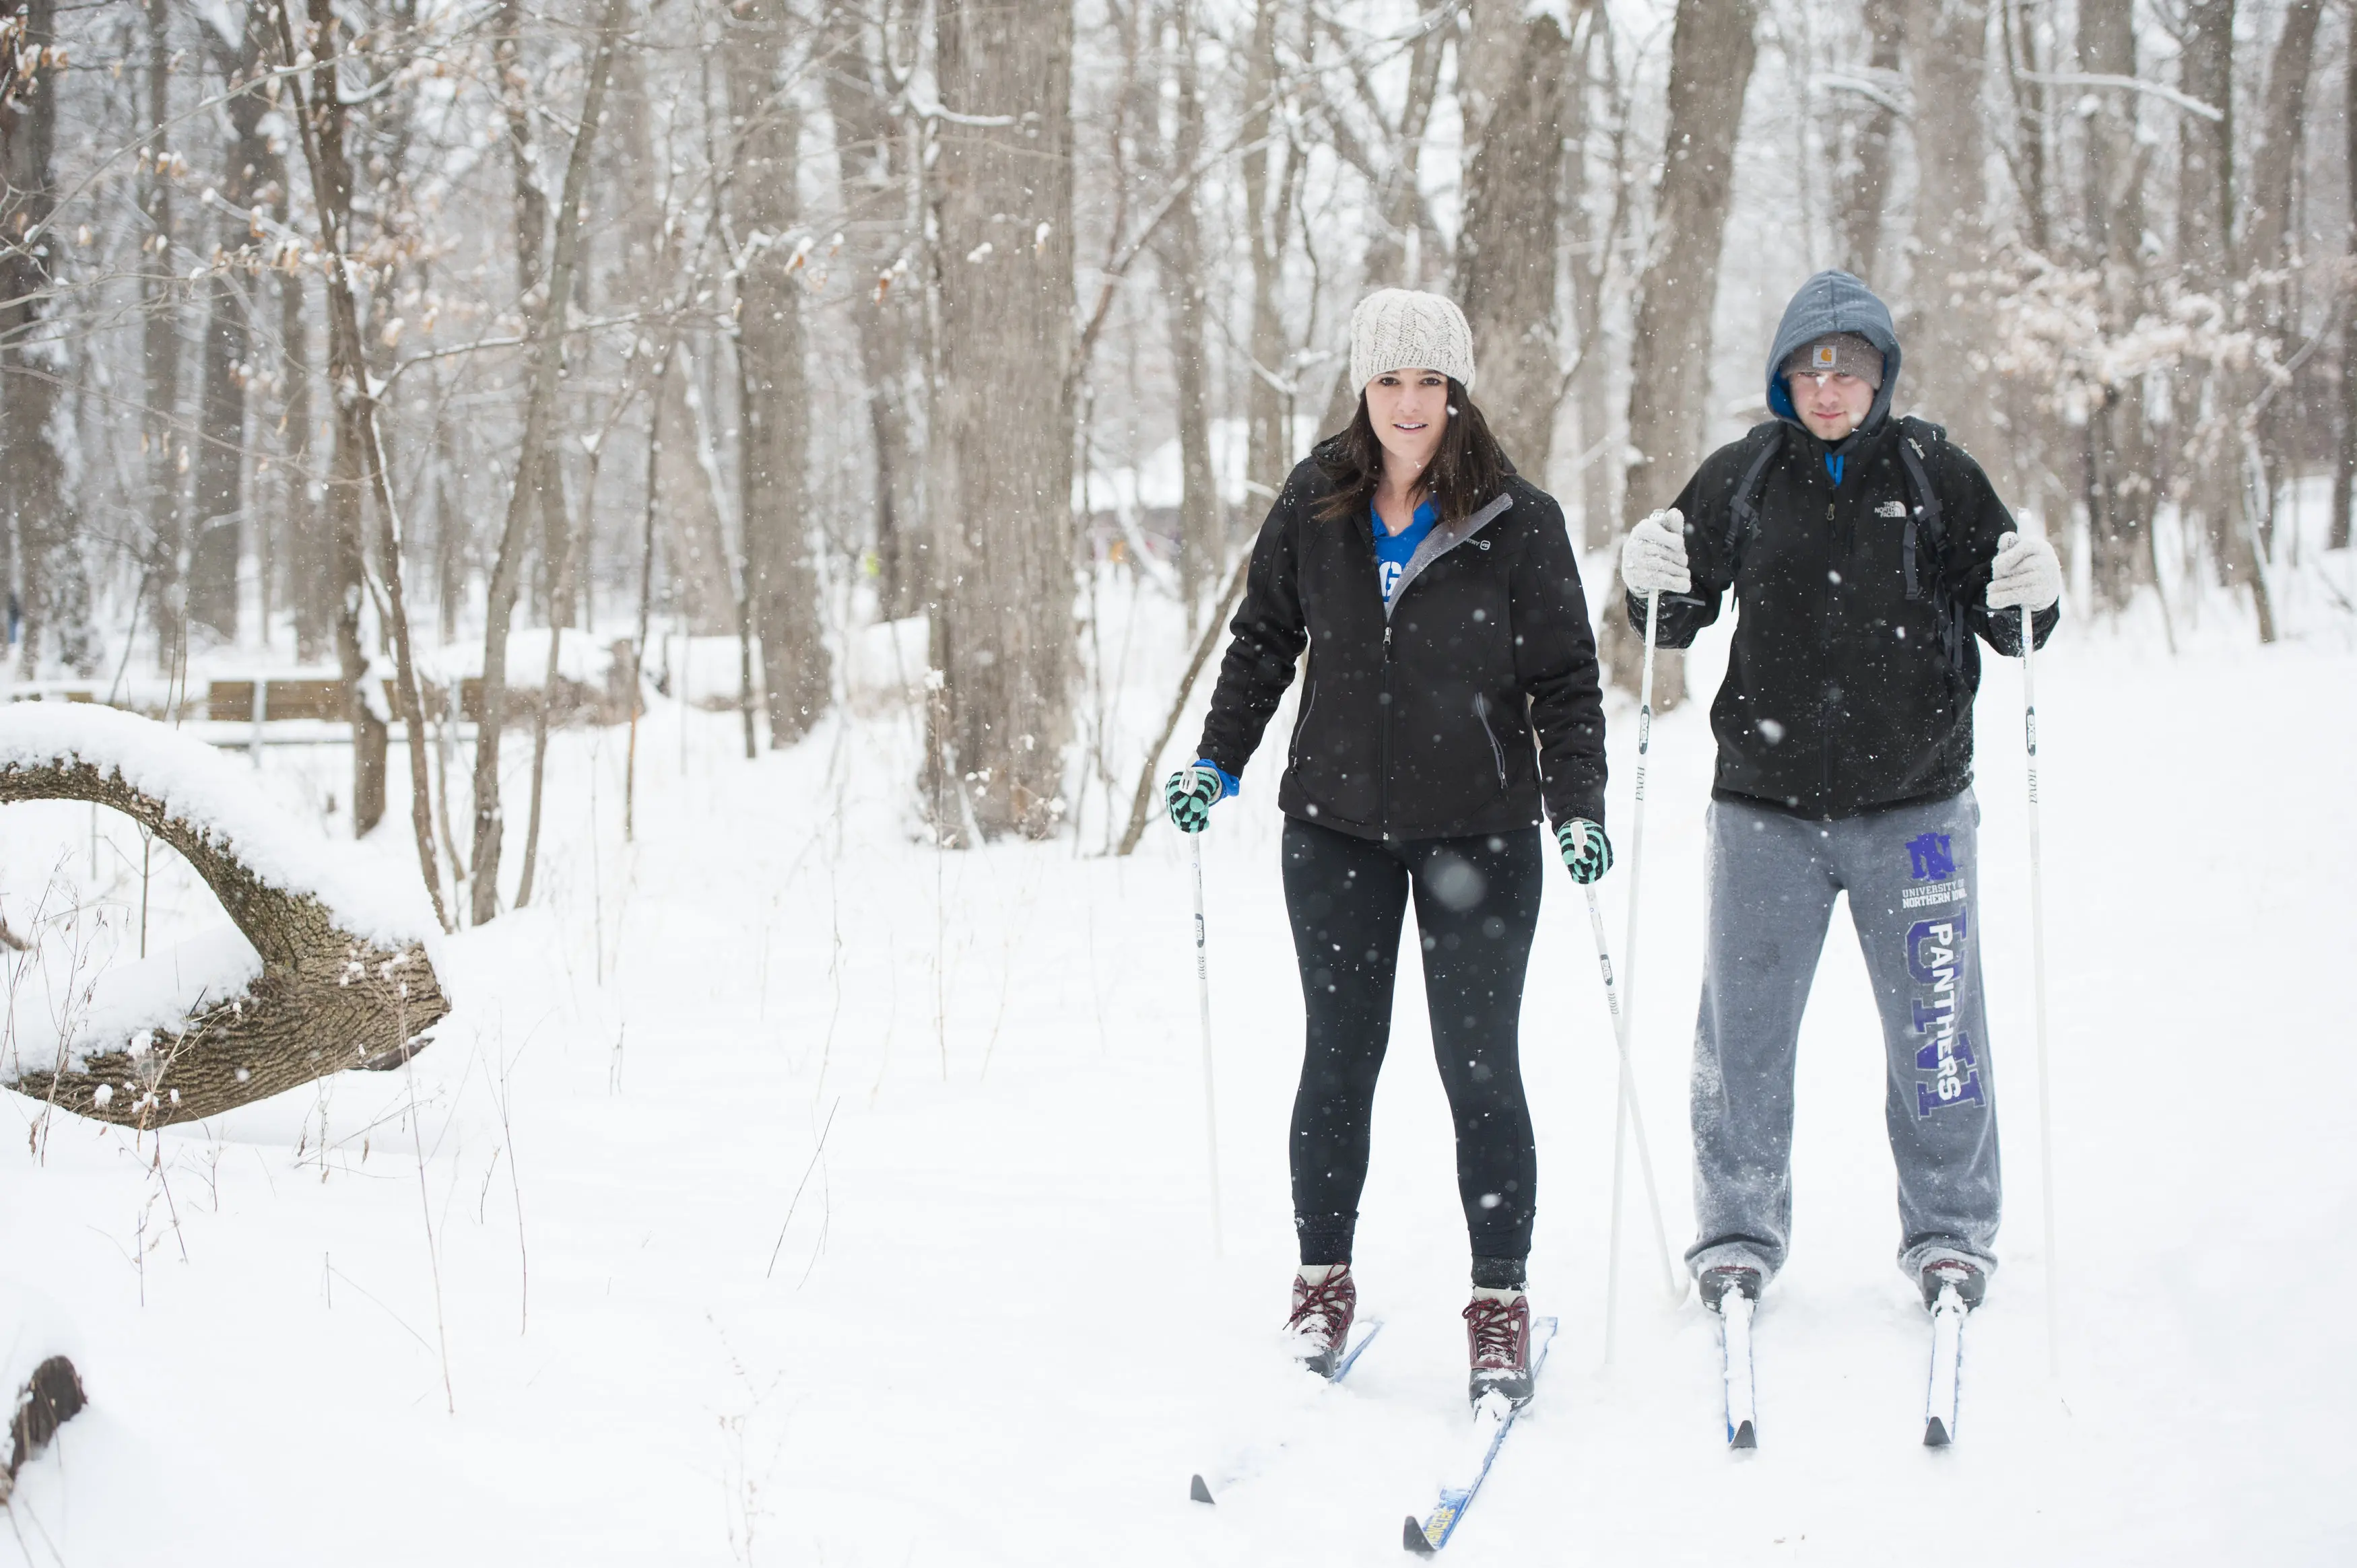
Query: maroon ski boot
pixel 1498 1336
pixel 1322 1314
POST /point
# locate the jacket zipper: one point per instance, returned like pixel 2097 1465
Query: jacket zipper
pixel 1496 752
pixel 1383 810
pixel 1293 752
pixel 1826 648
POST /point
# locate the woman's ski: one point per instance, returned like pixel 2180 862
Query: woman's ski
pixel 1492 1419
pixel 1362 1334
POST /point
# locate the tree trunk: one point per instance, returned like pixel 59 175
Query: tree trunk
pixel 2205 147
pixel 1202 537
pixel 544 355
pixel 2344 472
pixel 310 580
pixel 2119 450
pixel 1861 198
pixel 348 463
pixel 2267 223
pixel 1001 501
pixel 773 403
pixel 35 439
pixel 2205 228
pixel 1402 246
pixel 326 999
pixel 1268 447
pixel 1591 261
pixel 2270 241
pixel 164 442
pixel 546 472
pixel 1947 50
pixel 870 168
pixel 218 507
pixel 1711 55
pixel 1512 83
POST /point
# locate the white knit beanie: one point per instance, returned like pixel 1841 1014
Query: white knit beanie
pixel 1406 329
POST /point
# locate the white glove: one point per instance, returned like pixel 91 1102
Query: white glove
pixel 2026 572
pixel 1655 554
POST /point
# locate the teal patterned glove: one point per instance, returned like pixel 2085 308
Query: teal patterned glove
pixel 1193 792
pixel 1587 852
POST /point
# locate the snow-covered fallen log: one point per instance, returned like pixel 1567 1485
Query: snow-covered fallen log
pixel 345 980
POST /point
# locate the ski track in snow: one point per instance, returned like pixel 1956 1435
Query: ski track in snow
pixel 994 1332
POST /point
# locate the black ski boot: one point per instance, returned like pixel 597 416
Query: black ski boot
pixel 1949 1269
pixel 1721 1278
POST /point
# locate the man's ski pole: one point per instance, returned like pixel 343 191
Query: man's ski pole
pixel 2038 988
pixel 1211 1099
pixel 1631 1116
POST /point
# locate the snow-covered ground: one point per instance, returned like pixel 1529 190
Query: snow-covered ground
pixel 582 1284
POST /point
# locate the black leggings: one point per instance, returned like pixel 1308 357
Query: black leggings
pixel 1477 901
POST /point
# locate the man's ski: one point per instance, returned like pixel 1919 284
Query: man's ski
pixel 1362 1334
pixel 1735 1311
pixel 1947 1366
pixel 1492 1419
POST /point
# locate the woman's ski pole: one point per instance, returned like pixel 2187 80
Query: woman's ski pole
pixel 1211 1099
pixel 2038 988
pixel 1625 1014
pixel 1629 1116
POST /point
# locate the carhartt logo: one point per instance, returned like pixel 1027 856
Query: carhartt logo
pixel 1821 358
pixel 1891 509
pixel 1928 857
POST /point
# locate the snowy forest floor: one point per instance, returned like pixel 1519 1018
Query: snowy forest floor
pixel 581 1286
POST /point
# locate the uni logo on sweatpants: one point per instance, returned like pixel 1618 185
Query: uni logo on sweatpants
pixel 1934 950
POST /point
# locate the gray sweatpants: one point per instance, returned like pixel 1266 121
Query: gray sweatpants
pixel 1908 873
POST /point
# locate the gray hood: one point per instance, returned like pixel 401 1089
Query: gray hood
pixel 1835 302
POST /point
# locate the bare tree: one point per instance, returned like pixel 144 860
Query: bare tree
pixel 1861 198
pixel 773 397
pixel 35 444
pixel 873 150
pixel 161 292
pixel 1202 537
pixel 2205 145
pixel 1947 54
pixel 1593 211
pixel 251 164
pixel 1510 83
pixel 1002 441
pixel 546 354
pixel 2119 456
pixel 1711 55
pixel 2344 468
pixel 1268 214
pixel 2266 243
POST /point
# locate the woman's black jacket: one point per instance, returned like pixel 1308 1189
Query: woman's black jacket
pixel 1418 723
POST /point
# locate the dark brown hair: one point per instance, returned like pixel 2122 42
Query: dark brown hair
pixel 1467 468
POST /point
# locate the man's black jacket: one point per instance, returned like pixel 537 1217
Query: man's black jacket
pixel 1839 698
pixel 1418 725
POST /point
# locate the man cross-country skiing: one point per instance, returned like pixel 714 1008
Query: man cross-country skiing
pixel 1866 552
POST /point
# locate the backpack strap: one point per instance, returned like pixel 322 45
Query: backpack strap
pixel 1743 512
pixel 1927 533
pixel 1926 528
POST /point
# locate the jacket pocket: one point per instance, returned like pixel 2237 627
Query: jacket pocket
pixel 1496 752
pixel 1308 702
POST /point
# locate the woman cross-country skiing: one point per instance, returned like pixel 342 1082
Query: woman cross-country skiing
pixel 1439 600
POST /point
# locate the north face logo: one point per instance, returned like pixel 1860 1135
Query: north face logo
pixel 1928 857
pixel 1891 509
